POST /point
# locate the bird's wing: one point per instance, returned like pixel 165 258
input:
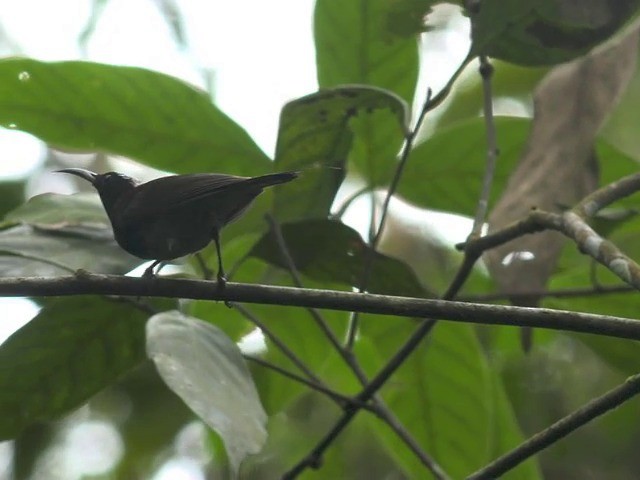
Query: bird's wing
pixel 167 193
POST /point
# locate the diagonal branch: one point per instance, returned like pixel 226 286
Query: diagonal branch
pixel 560 429
pixel 384 412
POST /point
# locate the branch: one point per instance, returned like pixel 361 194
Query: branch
pixel 608 194
pixel 407 146
pixel 600 290
pixel 93 284
pixel 319 387
pixel 486 71
pixel 573 225
pixel 560 429
pixel 350 359
pixel 284 349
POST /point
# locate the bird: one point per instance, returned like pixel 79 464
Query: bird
pixel 176 215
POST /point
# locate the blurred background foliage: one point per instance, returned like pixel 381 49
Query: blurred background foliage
pixel 467 395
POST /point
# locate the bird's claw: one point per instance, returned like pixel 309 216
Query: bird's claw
pixel 148 273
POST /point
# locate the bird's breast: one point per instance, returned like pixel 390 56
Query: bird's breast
pixel 165 237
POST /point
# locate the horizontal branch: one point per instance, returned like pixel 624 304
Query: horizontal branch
pixel 85 283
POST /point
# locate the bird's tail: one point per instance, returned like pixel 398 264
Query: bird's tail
pixel 273 179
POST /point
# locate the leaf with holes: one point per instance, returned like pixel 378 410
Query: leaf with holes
pixel 315 136
pixel 353 45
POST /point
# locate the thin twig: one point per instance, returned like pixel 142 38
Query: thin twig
pixel 276 341
pixel 560 429
pixel 383 411
pixel 486 71
pixel 337 397
pixel 348 201
pixel 297 281
pixel 407 146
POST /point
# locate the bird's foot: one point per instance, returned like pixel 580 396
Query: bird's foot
pixel 222 282
pixel 148 273
pixel 82 273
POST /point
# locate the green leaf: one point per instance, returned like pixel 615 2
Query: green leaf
pixel 406 18
pixel 71 350
pixel 315 136
pixel 154 118
pixel 445 172
pixel 545 32
pixel 57 210
pixel 58 234
pixel 353 45
pixel 507 433
pixel 509 81
pixel 297 329
pixel 330 251
pixel 444 395
pixel 206 369
pixel 35 251
pixel 11 195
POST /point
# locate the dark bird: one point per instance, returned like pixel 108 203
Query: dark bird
pixel 173 216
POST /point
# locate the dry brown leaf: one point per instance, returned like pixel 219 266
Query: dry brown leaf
pixel 558 166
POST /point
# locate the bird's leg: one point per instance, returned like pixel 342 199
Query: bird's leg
pixel 222 280
pixel 148 273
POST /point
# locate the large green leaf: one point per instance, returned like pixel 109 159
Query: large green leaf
pixel 444 394
pixel 445 172
pixel 353 45
pixel 545 32
pixel 71 350
pixel 154 118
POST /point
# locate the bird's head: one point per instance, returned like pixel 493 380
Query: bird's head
pixel 111 186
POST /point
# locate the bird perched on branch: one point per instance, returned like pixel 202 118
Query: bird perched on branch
pixel 173 216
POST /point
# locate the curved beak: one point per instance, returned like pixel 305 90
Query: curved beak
pixel 88 175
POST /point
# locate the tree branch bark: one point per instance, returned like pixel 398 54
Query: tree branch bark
pixel 85 283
